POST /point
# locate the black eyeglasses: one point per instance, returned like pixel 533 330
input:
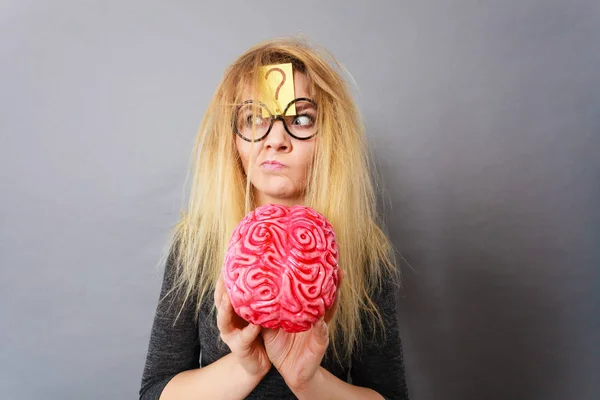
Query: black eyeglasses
pixel 254 120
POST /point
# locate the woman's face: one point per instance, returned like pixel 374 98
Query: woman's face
pixel 279 184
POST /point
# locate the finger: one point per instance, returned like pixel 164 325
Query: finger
pixel 243 341
pixel 320 337
pixel 219 290
pixel 331 311
pixel 249 334
pixel 322 329
pixel 224 316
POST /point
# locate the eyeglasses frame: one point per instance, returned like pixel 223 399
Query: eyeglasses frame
pixel 272 118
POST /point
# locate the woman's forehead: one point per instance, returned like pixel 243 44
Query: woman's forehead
pixel 301 88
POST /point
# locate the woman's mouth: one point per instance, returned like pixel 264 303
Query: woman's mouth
pixel 272 165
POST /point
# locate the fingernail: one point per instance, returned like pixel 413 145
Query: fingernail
pixel 323 328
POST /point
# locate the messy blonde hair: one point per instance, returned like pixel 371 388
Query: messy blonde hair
pixel 339 186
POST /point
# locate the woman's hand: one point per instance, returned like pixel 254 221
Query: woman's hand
pixel 242 338
pixel 297 356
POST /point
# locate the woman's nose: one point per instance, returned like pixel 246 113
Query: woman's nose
pixel 278 137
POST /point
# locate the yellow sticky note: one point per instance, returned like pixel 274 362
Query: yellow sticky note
pixel 277 88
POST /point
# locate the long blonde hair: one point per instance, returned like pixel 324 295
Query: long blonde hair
pixel 340 186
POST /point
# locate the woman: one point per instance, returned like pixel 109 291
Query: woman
pixel 248 155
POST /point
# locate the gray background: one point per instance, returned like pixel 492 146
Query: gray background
pixel 485 118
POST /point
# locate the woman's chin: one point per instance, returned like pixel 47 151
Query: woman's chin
pixel 279 197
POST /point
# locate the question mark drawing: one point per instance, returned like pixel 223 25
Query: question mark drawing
pixel 280 85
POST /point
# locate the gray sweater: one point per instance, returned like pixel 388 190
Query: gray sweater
pixel 193 343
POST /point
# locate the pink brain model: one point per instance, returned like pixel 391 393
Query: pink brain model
pixel 281 267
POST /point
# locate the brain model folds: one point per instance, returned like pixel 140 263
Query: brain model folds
pixel 281 267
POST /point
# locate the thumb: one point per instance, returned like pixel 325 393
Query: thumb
pixel 321 333
pixel 249 334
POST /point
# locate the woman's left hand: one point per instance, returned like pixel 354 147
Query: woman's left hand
pixel 297 356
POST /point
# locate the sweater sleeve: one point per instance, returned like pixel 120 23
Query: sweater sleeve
pixel 173 348
pixel 379 363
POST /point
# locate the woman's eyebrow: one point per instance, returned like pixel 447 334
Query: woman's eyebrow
pixel 304 106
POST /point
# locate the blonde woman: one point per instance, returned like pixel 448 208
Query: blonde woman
pixel 244 158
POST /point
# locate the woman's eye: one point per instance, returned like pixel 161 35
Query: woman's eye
pixel 254 120
pixel 303 120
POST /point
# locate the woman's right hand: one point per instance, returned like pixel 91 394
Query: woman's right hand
pixel 242 338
